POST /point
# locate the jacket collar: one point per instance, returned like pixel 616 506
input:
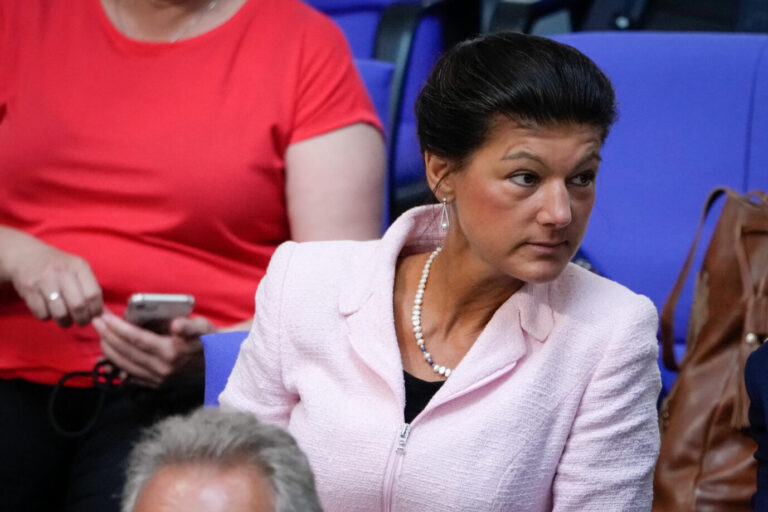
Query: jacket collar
pixel 414 231
pixel 366 301
pixel 417 230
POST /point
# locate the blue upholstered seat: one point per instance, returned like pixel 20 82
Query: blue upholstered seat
pixel 221 350
pixel 693 113
pixel 410 34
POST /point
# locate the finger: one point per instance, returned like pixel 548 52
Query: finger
pixel 91 290
pixel 37 305
pixel 128 370
pixel 122 354
pixel 56 306
pixel 73 299
pixel 153 352
pixel 191 327
pixel 142 339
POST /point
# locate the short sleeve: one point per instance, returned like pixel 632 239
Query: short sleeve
pixel 330 93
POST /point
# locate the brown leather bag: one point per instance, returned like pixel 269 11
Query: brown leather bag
pixel 706 461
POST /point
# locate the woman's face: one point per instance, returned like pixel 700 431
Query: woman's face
pixel 520 207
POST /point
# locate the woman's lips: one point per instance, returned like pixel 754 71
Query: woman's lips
pixel 555 243
pixel 547 247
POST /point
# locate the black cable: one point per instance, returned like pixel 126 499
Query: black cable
pixel 106 378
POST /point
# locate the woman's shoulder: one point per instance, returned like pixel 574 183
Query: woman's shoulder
pixel 323 262
pixel 603 323
pixel 591 296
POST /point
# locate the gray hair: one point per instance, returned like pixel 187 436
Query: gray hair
pixel 224 438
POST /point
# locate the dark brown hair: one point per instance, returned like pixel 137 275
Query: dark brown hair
pixel 528 79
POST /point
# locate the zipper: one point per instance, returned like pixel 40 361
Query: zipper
pixel 402 438
pixel 394 464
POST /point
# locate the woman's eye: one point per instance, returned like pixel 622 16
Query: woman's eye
pixel 524 179
pixel 584 179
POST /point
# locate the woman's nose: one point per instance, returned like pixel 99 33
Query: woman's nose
pixel 555 210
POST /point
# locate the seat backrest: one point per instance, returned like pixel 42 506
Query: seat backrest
pixel 758 155
pixel 407 161
pixel 358 19
pixel 377 77
pixel 221 350
pixel 685 111
pixel 410 34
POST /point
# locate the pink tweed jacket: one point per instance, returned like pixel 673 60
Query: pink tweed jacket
pixel 553 408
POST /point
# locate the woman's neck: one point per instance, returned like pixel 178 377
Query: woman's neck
pixel 462 293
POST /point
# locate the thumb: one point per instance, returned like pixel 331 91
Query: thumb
pixel 191 327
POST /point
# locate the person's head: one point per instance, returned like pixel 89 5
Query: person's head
pixel 511 128
pixel 212 461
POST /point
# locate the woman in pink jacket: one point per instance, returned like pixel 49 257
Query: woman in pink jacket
pixel 461 362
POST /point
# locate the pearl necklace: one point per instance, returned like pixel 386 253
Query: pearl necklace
pixel 416 318
pixel 186 28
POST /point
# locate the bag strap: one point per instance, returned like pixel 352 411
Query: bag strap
pixel 668 312
pixel 741 254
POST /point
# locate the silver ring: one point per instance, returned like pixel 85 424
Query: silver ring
pixel 54 296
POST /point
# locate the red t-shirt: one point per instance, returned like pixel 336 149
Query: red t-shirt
pixel 161 164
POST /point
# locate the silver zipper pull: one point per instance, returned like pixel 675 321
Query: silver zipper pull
pixel 403 437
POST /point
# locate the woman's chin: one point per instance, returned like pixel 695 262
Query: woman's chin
pixel 541 272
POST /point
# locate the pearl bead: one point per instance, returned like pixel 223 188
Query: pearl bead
pixel 416 317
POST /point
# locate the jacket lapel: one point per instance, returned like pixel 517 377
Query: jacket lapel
pixel 366 303
pixel 502 343
pixel 366 300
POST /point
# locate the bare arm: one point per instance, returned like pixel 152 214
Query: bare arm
pixel 335 184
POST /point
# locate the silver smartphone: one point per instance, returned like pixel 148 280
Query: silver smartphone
pixel 154 311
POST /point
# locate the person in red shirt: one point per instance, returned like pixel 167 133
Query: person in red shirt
pixel 154 146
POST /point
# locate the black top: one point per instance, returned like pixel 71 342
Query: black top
pixel 417 394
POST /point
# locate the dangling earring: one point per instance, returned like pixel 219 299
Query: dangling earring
pixel 445 222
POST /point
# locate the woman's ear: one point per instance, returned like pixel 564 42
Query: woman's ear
pixel 439 176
